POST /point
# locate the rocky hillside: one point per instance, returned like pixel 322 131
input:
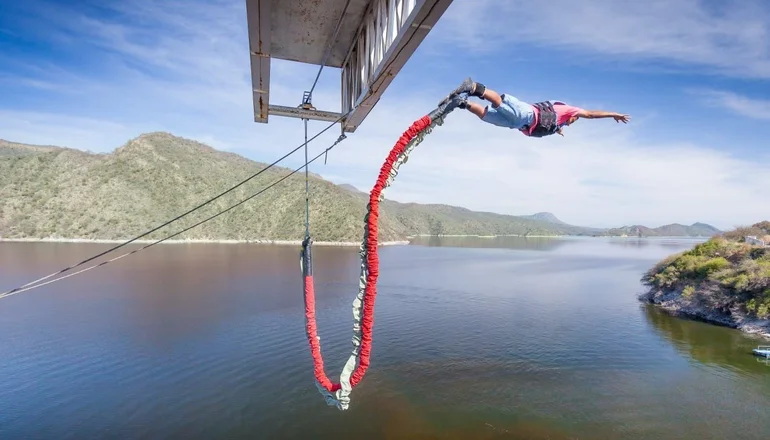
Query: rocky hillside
pixel 52 192
pixel 724 280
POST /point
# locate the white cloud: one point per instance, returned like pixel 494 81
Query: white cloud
pixel 742 105
pixel 43 128
pixel 193 79
pixel 599 174
pixel 728 37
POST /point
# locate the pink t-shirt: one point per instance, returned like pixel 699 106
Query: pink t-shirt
pixel 563 114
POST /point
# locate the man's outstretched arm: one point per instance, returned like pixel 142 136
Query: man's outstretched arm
pixel 598 114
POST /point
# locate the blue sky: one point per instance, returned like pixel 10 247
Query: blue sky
pixel 693 75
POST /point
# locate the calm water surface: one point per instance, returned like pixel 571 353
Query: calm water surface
pixel 473 338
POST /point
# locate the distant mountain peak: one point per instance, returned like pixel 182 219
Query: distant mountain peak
pixel 545 217
pixel 160 143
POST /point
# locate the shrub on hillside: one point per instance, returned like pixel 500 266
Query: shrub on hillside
pixel 722 272
pixel 758 230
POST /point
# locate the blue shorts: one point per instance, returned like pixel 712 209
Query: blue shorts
pixel 512 113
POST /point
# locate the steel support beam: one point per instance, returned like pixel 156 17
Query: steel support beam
pixel 388 36
pixel 259 13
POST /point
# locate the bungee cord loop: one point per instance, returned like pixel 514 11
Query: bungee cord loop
pixel 338 394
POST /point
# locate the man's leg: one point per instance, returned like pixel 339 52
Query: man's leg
pixel 480 110
pixel 493 97
pixel 473 88
pixel 512 114
pixel 488 94
pixel 509 112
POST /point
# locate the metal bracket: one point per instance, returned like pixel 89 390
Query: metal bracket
pixel 306 101
pixel 305 110
pixel 304 113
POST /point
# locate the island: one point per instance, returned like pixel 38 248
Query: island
pixel 724 280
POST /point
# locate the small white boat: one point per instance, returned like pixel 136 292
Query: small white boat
pixel 762 351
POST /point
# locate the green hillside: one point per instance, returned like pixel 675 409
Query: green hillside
pixel 723 280
pixel 51 192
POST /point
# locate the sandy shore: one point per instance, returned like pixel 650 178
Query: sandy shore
pixel 677 305
pixel 272 242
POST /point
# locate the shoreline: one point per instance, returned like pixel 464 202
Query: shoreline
pixel 488 236
pixel 663 237
pixel 676 305
pixel 198 241
pixel 299 242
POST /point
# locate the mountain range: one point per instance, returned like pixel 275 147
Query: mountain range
pixel 56 192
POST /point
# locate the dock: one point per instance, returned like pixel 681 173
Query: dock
pixel 762 351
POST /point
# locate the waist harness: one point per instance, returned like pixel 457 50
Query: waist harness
pixel 547 121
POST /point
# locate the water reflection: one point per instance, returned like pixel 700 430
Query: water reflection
pixel 504 242
pixel 169 293
pixel 719 347
pixel 673 243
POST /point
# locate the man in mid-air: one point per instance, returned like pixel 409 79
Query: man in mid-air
pixel 536 120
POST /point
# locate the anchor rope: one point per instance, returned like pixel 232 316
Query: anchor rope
pixel 307 188
pixel 332 40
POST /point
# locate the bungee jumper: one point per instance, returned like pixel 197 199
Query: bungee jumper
pixel 535 120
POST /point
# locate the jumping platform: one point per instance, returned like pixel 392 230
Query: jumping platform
pixel 368 40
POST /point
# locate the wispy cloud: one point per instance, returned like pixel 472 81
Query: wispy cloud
pixel 178 66
pixel 43 128
pixel 726 37
pixel 740 104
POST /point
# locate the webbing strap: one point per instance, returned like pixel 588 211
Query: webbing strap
pixel 547 113
pixel 547 122
pixel 307 189
pixel 338 394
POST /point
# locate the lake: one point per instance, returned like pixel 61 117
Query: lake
pixel 479 338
